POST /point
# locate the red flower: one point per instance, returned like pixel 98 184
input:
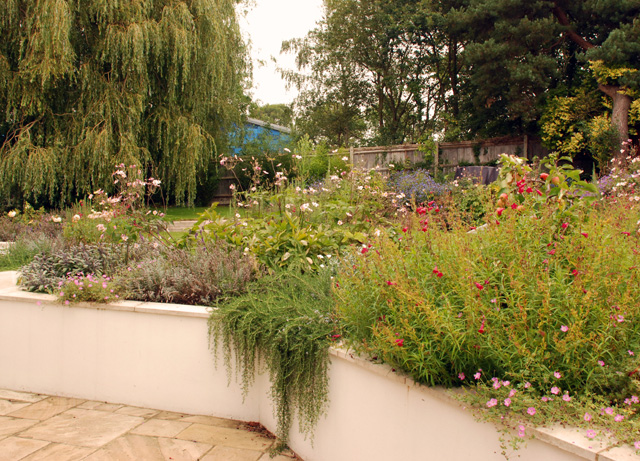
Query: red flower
pixel 565 225
pixel 439 274
pixel 400 342
pixel 424 229
pixel 405 229
pixel 584 234
pixel 431 202
pixel 514 206
pixel 552 252
pixel 364 250
pixel 626 233
pixel 574 272
pixel 421 210
pixel 538 192
pixel 481 330
pixel 390 283
pixel 529 190
pixel 479 286
pixel 499 211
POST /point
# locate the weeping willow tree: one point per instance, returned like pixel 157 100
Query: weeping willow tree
pixel 89 84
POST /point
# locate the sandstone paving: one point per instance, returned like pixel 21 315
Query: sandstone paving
pixel 16 448
pixel 36 427
pixel 88 428
pixel 46 408
pixel 60 452
pixel 216 435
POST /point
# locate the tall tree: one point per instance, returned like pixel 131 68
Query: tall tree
pixel 519 49
pixel 88 84
pixel 372 62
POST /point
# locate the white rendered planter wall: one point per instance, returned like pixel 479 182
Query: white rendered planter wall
pixel 157 356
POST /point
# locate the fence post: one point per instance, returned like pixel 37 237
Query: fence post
pixel 436 158
pixel 526 147
pixel 351 157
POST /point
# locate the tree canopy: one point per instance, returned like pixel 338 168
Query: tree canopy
pixel 467 68
pixel 89 84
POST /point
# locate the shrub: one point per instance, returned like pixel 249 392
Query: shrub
pixel 199 275
pixel 87 288
pixel 285 319
pixel 527 296
pixel 417 186
pixel 24 249
pixel 48 269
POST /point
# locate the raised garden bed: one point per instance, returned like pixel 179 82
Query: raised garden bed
pixel 157 355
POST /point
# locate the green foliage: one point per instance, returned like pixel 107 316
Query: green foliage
pixel 445 302
pixel 315 162
pixel 277 114
pixel 49 269
pixel 286 322
pixel 88 84
pixel 301 228
pixel 87 288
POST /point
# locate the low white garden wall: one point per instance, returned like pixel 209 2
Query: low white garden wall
pixel 157 356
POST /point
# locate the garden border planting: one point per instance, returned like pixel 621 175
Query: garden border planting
pixel 157 355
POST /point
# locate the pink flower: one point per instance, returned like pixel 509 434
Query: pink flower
pixel 637 445
pixel 531 411
pixel 557 374
pixel 618 418
pixel 608 410
pixel 492 403
pixel 587 417
pixel 601 363
pixel 545 399
pixel 477 376
pixel 630 352
pixel 496 384
pixel 555 390
pixel 507 402
pixel 566 398
pixel 521 431
pixel 527 385
pixel 461 376
pixel 564 328
pixel 506 383
pixel 390 283
pixel 634 399
pixel 591 433
pixel 512 393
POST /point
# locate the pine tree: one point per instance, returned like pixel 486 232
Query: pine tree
pixel 89 84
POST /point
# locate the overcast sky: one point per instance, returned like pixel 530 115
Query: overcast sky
pixel 267 24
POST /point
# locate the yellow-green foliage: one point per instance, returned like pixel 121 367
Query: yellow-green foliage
pixel 579 124
pixel 88 84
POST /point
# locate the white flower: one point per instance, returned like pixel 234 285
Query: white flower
pixel 287 150
pixel 76 218
pixel 124 238
pixel 345 159
pixel 320 257
pixel 391 165
pixel 56 219
pixel 12 213
pixel 237 215
pixel 315 204
pixel 339 223
pixel 232 186
pixel 305 207
pixel 377 233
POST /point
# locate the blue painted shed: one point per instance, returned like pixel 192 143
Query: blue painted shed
pixel 257 131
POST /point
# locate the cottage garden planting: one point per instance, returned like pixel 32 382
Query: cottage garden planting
pixel 526 292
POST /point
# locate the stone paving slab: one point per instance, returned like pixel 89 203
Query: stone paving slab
pixel 36 427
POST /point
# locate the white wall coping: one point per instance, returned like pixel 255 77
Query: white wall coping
pixel 569 439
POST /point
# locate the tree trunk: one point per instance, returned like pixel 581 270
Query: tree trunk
pixel 620 113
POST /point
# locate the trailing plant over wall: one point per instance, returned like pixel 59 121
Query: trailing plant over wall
pixel 285 321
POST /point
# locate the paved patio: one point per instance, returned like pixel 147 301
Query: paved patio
pixel 40 427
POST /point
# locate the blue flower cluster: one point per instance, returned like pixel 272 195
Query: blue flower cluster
pixel 417 185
